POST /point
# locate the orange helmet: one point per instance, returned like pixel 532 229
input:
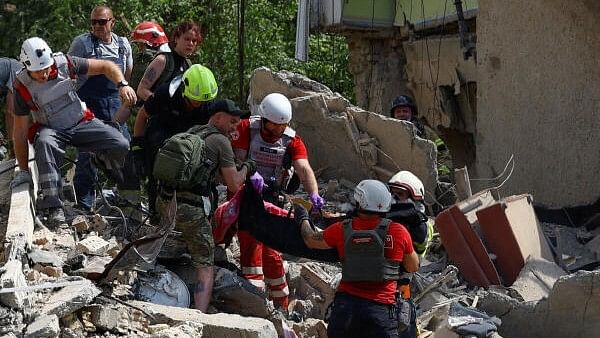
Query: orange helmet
pixel 150 33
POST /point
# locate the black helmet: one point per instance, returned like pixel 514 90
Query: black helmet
pixel 404 101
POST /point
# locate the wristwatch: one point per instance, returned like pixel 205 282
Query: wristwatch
pixel 122 83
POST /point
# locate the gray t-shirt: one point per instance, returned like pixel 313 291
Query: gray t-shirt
pixel 83 46
pixel 218 150
pixel 8 68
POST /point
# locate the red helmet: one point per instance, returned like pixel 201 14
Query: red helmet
pixel 150 33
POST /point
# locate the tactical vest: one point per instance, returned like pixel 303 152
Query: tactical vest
pixel 268 156
pixel 55 102
pixel 364 259
pixel 171 69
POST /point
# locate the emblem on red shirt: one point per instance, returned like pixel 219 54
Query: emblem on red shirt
pixel 389 242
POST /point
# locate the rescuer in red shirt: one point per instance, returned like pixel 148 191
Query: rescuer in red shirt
pixel 373 250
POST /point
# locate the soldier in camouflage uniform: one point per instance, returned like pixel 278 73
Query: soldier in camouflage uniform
pixel 194 206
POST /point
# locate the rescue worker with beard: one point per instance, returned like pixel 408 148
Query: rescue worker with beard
pixel 268 140
pixel 372 249
pixel 46 87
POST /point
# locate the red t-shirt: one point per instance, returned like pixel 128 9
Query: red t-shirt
pixel 241 140
pixel 397 244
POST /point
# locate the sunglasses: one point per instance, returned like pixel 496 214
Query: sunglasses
pixel 100 22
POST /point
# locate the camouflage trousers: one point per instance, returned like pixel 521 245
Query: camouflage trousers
pixel 195 230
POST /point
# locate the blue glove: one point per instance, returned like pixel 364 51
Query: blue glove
pixel 258 182
pixel 20 178
pixel 317 201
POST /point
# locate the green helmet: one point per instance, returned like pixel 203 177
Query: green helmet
pixel 200 84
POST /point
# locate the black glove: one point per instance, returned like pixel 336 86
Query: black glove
pixel 251 167
pixel 300 214
pixel 139 156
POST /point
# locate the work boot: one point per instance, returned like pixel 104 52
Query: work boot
pixel 56 216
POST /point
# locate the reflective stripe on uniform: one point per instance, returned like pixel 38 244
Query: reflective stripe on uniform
pixel 258 283
pixel 252 270
pixel 275 281
pixel 280 293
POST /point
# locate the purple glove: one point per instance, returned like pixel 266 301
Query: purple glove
pixel 317 201
pixel 258 182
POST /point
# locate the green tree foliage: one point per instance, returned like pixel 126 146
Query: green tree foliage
pixel 269 38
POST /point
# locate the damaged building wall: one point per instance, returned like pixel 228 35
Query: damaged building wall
pixel 377 65
pixel 539 98
pixel 345 141
pixel 445 89
pixel 431 69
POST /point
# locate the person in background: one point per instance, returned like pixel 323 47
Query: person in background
pixel 99 93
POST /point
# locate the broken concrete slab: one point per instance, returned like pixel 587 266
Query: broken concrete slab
pixel 116 318
pixel 183 330
pixel 309 328
pixel 44 257
pixel 321 281
pixel 323 117
pixel 70 298
pixel 13 277
pixel 335 130
pixel 217 325
pixel 569 311
pixel 536 279
pixel 399 148
pixel 46 326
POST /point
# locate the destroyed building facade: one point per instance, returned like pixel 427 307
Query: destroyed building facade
pixel 529 93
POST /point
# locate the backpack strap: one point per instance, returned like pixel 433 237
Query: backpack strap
pixel 382 228
pixel 168 70
pixel 72 73
pixel 95 45
pixel 25 95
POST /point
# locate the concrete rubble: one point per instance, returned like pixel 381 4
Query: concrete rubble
pixel 489 255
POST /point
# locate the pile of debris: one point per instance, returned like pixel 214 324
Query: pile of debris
pixel 492 270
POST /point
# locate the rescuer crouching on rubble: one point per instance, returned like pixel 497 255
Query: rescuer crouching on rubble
pixel 46 88
pixel 372 249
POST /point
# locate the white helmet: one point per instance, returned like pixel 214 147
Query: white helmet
pixel 276 108
pixel 408 181
pixel 36 55
pixel 373 195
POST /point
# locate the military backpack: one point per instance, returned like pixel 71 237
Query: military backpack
pixel 182 163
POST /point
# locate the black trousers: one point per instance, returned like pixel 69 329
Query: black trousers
pixel 357 317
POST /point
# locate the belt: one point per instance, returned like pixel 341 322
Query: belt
pixel 182 196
